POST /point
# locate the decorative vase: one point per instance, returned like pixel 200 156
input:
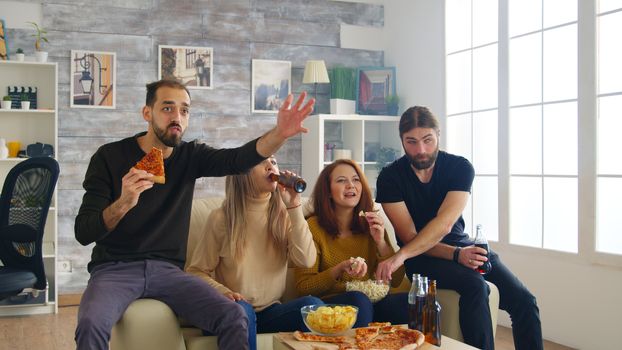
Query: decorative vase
pixel 4 151
pixel 19 57
pixel 42 56
pixel 341 106
pixel 6 104
pixel 25 104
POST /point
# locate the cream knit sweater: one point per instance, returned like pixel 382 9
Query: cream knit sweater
pixel 261 272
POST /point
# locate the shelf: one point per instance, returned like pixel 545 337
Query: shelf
pixel 33 111
pixel 29 63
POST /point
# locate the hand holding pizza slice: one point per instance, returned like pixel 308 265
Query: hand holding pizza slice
pixel 153 163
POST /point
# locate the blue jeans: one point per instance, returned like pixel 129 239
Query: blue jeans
pixel 475 319
pixel 392 308
pixel 275 318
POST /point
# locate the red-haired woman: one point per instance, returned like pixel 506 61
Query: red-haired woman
pixel 340 234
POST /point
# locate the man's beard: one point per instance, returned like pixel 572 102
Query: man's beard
pixel 421 164
pixel 168 140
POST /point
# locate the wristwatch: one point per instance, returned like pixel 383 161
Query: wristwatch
pixel 457 253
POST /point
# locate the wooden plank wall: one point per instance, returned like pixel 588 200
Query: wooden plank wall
pixel 238 30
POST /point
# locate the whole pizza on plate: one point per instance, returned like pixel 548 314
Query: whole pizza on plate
pixel 376 337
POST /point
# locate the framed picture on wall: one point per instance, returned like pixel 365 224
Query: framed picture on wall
pixel 270 85
pixel 93 79
pixel 189 65
pixel 374 86
pixel 4 51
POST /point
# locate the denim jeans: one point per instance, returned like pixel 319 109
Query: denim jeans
pixel 284 317
pixel 475 319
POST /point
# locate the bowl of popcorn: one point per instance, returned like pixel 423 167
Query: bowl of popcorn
pixel 375 290
pixel 329 319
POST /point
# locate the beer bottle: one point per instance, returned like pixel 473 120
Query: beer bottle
pixel 412 297
pixel 432 317
pixel 291 181
pixel 482 242
pixel 420 302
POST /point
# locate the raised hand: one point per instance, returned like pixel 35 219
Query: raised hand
pixel 290 118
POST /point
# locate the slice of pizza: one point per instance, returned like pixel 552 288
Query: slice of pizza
pixel 379 324
pixel 365 335
pixel 153 163
pixel 301 336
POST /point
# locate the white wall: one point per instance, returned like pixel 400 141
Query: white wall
pixel 580 301
pixel 17 13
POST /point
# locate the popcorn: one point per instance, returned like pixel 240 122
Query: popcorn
pixel 375 290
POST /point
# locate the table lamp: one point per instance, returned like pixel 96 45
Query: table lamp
pixel 315 72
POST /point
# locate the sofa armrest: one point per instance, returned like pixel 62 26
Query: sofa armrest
pixel 147 324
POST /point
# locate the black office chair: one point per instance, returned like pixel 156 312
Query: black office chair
pixel 24 205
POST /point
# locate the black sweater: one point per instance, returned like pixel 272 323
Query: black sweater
pixel 157 227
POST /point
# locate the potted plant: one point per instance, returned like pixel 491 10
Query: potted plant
pixel 393 104
pixel 342 90
pixel 386 155
pixel 42 56
pixel 19 54
pixel 25 101
pixel 6 102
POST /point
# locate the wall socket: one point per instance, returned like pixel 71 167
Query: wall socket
pixel 64 266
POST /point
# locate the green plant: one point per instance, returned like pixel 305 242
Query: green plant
pixel 385 156
pixel 393 104
pixel 343 83
pixel 24 97
pixel 392 100
pixel 19 50
pixel 39 36
pixel 6 98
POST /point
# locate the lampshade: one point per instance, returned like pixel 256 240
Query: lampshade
pixel 315 72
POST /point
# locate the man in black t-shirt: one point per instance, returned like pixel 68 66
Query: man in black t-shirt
pixel 140 230
pixel 424 194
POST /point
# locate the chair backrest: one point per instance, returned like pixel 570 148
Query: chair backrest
pixel 25 202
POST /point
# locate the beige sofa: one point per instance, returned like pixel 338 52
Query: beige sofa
pixel 150 324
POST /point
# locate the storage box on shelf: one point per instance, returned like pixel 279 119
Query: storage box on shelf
pixel 28 127
pixel 373 141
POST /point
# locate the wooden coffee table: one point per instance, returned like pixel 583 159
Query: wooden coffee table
pixel 285 341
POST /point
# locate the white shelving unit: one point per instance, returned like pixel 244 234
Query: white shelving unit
pixel 27 127
pixel 364 135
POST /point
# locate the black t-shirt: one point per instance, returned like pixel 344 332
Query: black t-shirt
pixel 157 227
pixel 398 183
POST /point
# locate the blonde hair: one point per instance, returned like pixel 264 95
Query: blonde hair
pixel 237 189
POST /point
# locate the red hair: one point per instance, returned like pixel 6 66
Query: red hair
pixel 324 207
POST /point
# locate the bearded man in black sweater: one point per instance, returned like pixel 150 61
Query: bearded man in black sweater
pixel 140 230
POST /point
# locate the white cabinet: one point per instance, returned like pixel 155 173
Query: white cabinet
pixel 27 127
pixel 372 141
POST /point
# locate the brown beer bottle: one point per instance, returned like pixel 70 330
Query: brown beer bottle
pixel 291 181
pixel 432 317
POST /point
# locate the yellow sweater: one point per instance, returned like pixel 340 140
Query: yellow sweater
pixel 332 251
pixel 261 272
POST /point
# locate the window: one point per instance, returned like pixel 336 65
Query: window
pixel 472 51
pixel 538 113
pixel 543 124
pixel 609 101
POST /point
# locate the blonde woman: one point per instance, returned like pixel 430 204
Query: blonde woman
pixel 247 245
